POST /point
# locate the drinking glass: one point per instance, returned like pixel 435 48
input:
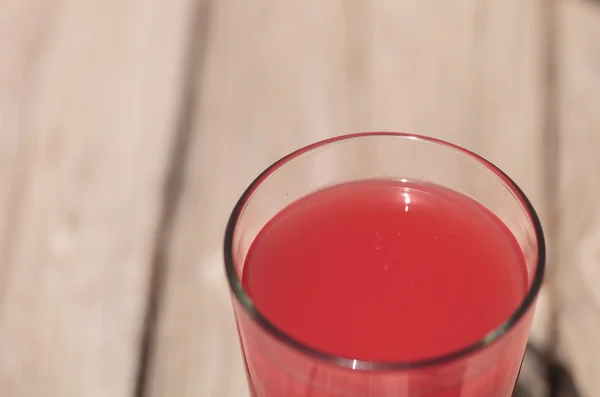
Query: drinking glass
pixel 278 365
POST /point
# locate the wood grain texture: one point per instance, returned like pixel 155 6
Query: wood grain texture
pixel 273 80
pixel 472 74
pixel 578 276
pixel 88 98
pixel 278 76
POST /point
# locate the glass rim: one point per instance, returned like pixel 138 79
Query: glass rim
pixel 496 334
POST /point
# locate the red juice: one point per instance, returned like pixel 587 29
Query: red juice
pixel 386 271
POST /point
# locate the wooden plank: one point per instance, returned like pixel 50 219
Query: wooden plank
pixel 472 75
pixel 282 75
pixel 578 274
pixel 88 100
pixel 271 83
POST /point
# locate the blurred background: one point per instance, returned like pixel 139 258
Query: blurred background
pixel 129 128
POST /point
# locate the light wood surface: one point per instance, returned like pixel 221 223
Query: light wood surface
pixel 578 278
pixel 128 129
pixel 277 76
pixel 88 96
pixel 272 81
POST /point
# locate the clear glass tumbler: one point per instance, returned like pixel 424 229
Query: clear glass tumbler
pixel 280 366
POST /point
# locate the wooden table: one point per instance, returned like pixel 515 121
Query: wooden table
pixel 128 128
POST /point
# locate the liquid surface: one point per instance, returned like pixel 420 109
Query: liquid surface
pixel 384 270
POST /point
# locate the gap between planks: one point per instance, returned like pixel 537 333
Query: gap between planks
pixel 174 186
